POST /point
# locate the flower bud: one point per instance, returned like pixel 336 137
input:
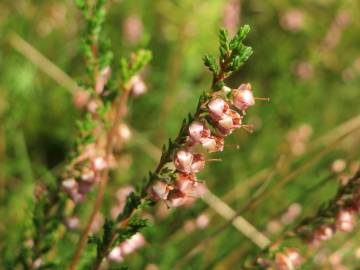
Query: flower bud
pixel 243 97
pixel 160 190
pixel 345 220
pixel 217 107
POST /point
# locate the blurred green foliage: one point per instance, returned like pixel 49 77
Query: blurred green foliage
pixel 306 59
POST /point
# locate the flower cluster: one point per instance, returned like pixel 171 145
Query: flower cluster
pixel 82 181
pixel 218 117
pixel 339 216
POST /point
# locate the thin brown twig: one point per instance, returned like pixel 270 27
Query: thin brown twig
pixel 120 109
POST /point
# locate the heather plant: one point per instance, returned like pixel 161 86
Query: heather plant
pixel 104 98
pixel 91 90
pixel 337 215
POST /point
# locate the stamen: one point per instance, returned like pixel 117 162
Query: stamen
pixel 248 128
pixel 214 159
pixel 262 98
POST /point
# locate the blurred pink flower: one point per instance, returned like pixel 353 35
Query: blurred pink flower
pixel 133 29
pixel 292 20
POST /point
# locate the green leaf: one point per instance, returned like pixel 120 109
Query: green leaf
pixel 142 57
pixel 239 37
pixel 124 70
pixel 210 62
pixel 224 47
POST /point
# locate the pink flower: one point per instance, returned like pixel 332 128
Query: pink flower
pixel 289 259
pixel 202 221
pixel 92 106
pixel 183 161
pixel 292 20
pixel 138 86
pixel 133 28
pixel 198 163
pixel 72 222
pixel 69 185
pixel 217 108
pixel 116 255
pixel 200 189
pixel 99 164
pixel 122 193
pixel 198 132
pixel 229 122
pixel 124 132
pixel 76 196
pixel 214 144
pixel 137 240
pixel 101 80
pixel 88 176
pixel 243 97
pixel 187 162
pixel 80 98
pixel 190 186
pixel 127 247
pixel 185 185
pixel 177 198
pixel 323 233
pixel 160 190
pixel 345 220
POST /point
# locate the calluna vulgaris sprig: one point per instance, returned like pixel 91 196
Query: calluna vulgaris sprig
pixel 174 181
pixel 99 94
pixel 337 215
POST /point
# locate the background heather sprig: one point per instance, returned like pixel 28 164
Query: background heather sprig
pixel 103 96
pixel 339 214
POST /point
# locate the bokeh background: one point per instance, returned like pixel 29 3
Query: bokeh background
pixel 306 59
